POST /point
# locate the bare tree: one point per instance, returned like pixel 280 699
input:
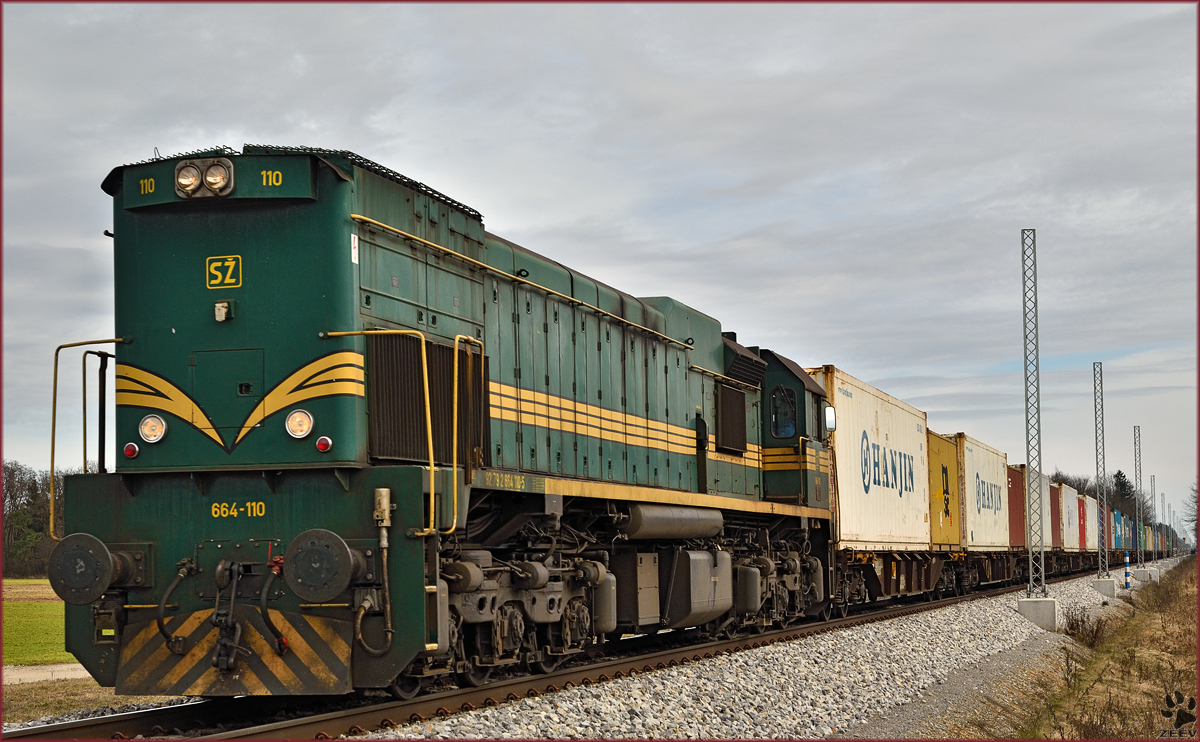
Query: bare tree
pixel 1189 515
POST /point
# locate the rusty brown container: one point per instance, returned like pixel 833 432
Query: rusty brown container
pixel 1016 507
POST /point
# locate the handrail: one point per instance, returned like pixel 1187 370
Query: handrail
pixel 428 416
pixel 517 279
pixel 101 355
pixel 454 425
pixel 54 415
pixel 727 379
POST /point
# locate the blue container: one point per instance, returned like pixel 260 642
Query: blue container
pixel 1118 532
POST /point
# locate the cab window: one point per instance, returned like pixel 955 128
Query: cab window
pixel 783 412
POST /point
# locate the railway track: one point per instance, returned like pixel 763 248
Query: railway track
pixel 240 718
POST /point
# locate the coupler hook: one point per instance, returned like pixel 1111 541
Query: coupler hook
pixel 224 657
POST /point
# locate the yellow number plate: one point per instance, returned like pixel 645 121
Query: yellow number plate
pixel 236 509
pixel 224 272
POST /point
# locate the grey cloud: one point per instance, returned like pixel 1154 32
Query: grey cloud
pixel 845 183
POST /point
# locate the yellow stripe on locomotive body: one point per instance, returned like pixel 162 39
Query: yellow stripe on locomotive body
pixel 525 482
pixel 559 413
pixel 337 374
pixel 137 387
pixel 790 459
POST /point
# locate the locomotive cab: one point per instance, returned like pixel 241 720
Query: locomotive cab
pixel 795 428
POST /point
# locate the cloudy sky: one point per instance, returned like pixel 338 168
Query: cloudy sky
pixel 845 184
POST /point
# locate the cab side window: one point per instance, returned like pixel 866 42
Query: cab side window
pixel 783 412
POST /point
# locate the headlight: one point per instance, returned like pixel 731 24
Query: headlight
pixel 188 178
pixel 299 423
pixel 152 428
pixel 216 177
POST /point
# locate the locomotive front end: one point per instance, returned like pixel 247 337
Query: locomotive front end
pixel 243 545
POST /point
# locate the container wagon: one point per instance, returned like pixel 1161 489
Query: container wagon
pixel 881 500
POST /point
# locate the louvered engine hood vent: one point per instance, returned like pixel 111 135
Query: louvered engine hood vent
pixel 741 364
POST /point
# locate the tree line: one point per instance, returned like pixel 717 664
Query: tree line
pixel 1123 496
pixel 27 541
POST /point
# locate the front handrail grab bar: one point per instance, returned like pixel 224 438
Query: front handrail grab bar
pixel 54 415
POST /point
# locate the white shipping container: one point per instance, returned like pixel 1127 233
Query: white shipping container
pixel 983 482
pixel 1069 512
pixel 1093 523
pixel 882 470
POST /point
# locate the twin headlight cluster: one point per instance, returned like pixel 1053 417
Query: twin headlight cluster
pixel 299 424
pixel 212 176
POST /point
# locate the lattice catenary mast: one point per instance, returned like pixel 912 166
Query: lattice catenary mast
pixel 1153 523
pixel 1137 492
pixel 1101 484
pixel 1033 418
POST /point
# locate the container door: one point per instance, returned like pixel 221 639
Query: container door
pixel 943 492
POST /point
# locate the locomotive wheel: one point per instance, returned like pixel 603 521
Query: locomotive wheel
pixel 827 611
pixel 475 677
pixel 405 687
pixel 843 609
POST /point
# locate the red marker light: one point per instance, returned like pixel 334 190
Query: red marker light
pixel 324 444
pixel 131 450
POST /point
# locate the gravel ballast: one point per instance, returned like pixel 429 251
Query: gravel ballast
pixel 816 686
pixel 834 684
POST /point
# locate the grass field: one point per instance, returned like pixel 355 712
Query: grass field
pixel 33 624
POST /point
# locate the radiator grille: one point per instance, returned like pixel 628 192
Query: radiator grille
pixel 396 401
pixel 731 419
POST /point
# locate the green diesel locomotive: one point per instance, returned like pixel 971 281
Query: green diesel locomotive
pixel 364 443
